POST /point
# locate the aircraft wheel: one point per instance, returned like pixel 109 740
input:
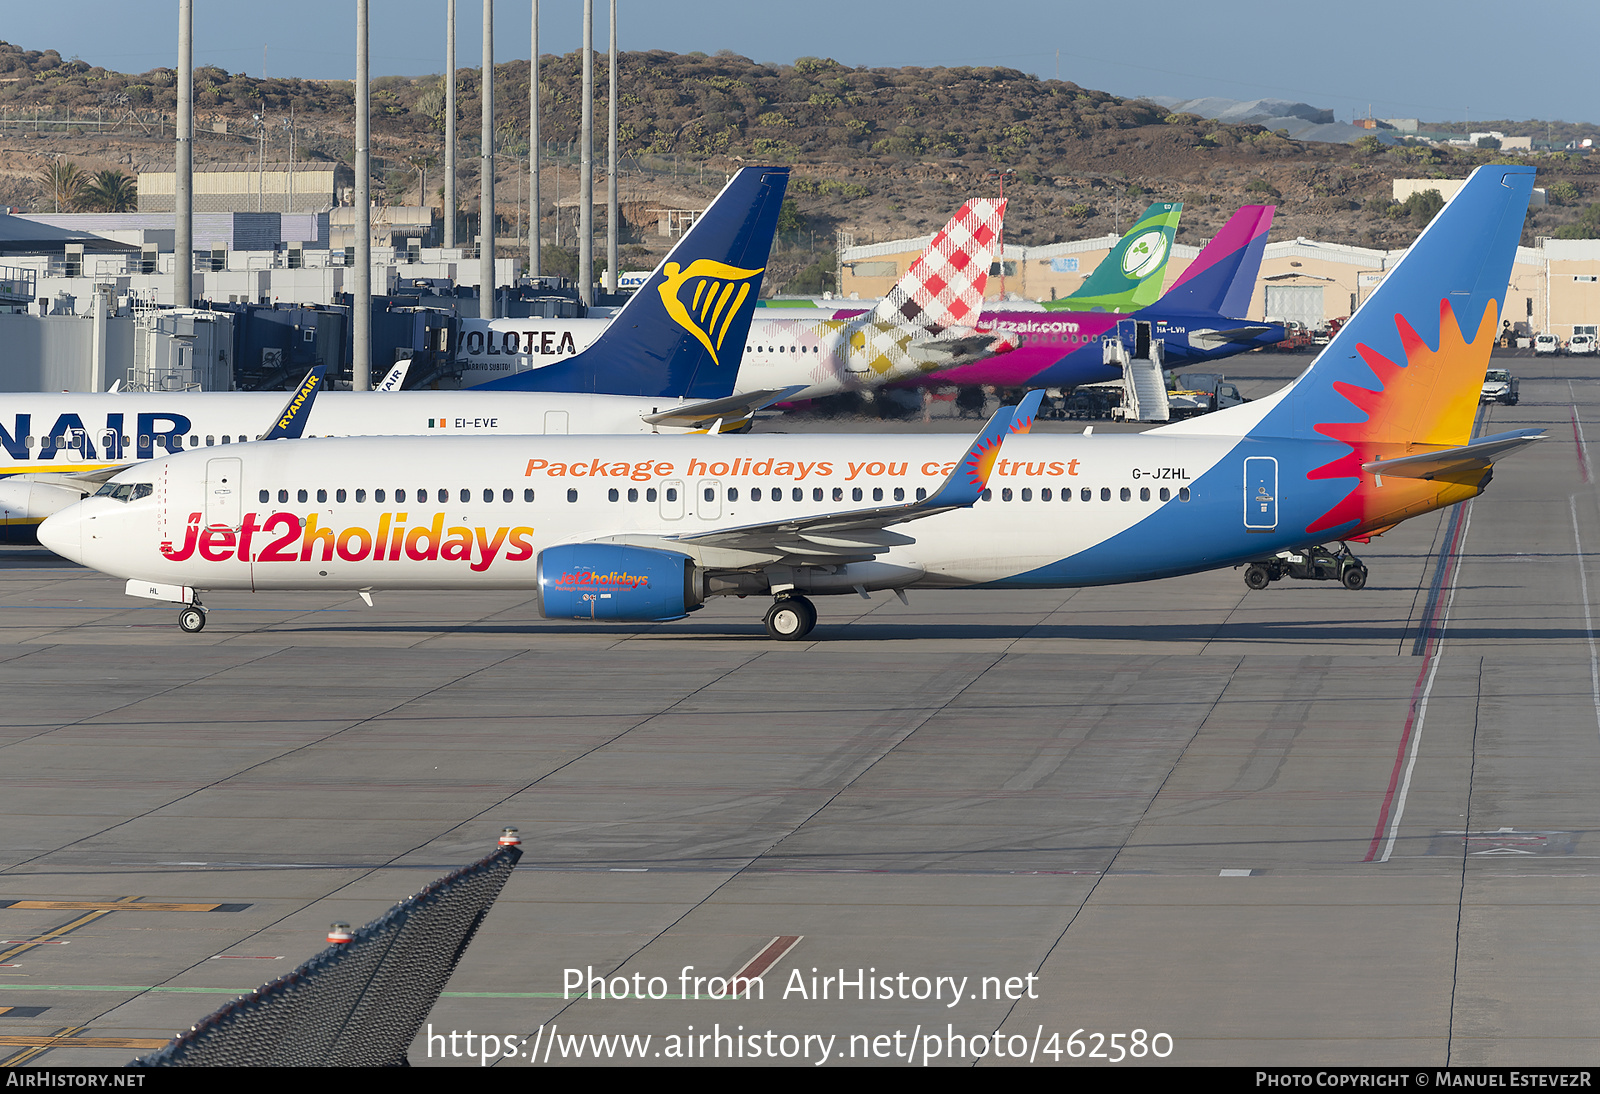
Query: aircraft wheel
pixel 791 618
pixel 192 620
pixel 1256 576
pixel 1355 577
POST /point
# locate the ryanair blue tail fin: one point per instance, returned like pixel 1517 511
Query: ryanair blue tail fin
pixel 683 333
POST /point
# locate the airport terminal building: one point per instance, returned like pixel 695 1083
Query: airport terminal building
pixel 1555 286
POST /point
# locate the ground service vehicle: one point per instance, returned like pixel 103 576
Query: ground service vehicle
pixel 1499 386
pixel 1309 564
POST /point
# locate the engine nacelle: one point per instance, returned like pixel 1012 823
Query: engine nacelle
pixel 613 581
pixel 25 502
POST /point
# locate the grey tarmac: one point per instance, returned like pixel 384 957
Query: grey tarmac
pixel 1183 807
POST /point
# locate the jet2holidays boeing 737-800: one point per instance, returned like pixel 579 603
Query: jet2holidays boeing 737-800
pixel 636 528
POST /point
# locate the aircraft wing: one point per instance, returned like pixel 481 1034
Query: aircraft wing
pixel 1473 456
pixel 736 408
pixel 857 534
pixel 86 481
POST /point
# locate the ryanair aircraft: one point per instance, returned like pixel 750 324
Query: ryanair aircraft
pixel 927 323
pixel 1377 430
pixel 662 366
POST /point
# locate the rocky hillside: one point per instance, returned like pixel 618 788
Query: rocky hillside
pixel 880 153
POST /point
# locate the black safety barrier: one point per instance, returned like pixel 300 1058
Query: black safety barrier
pixel 357 1003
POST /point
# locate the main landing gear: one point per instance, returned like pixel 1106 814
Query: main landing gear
pixel 791 618
pixel 1310 564
pixel 192 620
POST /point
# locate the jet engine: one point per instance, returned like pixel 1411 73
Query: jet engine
pixel 614 581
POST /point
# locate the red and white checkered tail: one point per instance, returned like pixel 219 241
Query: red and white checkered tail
pixel 944 286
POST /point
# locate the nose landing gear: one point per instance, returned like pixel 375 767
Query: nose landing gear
pixel 791 618
pixel 192 619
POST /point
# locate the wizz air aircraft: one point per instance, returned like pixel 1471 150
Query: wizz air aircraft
pixel 925 324
pixel 1197 320
pixel 673 349
pixel 1378 429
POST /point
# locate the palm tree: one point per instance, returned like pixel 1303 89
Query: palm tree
pixel 109 192
pixel 62 182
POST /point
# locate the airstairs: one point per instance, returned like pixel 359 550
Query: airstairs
pixel 1144 379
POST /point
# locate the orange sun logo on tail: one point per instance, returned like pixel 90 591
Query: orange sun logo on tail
pixel 1425 404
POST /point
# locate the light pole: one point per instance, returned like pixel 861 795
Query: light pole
pixel 486 301
pixel 1000 236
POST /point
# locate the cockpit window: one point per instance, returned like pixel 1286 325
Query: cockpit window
pixel 125 491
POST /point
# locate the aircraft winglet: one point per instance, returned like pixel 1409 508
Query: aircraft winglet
pixel 966 484
pixel 291 422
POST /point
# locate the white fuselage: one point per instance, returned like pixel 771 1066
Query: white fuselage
pixel 391 513
pixel 105 428
pixel 792 347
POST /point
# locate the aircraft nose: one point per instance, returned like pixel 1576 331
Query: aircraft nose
pixel 63 534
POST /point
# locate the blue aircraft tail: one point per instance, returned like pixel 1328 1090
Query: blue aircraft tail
pixel 682 334
pixel 1222 277
pixel 1407 369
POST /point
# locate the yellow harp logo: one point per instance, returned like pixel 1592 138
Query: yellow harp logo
pixel 715 290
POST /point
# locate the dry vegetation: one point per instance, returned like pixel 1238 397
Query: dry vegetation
pixel 883 153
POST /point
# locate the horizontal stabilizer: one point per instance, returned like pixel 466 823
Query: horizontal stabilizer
pixel 948 349
pixel 1474 456
pixel 1216 339
pixel 733 409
